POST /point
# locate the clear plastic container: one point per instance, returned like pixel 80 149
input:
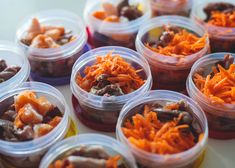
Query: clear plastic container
pixel 222 39
pixel 221 118
pixel 171 7
pixel 28 154
pixel 112 146
pixel 54 65
pixel 101 112
pixel 13 55
pixel 169 72
pixel 114 34
pixel 190 158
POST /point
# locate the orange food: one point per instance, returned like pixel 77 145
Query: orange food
pixel 41 129
pixel 219 87
pixel 18 123
pixel 183 44
pixel 28 115
pixel 222 19
pixel 31 110
pixel 55 121
pixel 148 133
pixel 99 15
pixel 112 162
pixel 120 72
pixel 28 97
pixel 112 19
pixel 24 98
pixel 43 105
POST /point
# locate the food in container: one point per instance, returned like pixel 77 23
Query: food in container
pixel 218 18
pixel 171 7
pixel 14 66
pixel 90 151
pixel 6 71
pixel 211 84
pixel 171 44
pixel 163 129
pixel 115 23
pixel 103 80
pixel 33 117
pixel 52 40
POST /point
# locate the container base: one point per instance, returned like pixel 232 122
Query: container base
pixel 221 135
pixel 55 81
pixel 90 123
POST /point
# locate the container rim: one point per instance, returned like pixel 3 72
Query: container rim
pixel 157 95
pixel 41 143
pixel 86 139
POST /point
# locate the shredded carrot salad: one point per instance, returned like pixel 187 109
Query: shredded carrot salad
pixel 182 44
pixel 218 86
pixel 120 73
pixel 222 19
pixel 148 133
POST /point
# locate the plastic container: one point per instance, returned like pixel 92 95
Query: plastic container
pixel 54 65
pixel 101 112
pixel 114 34
pixel 169 72
pixel 13 55
pixel 222 39
pixel 221 118
pixel 171 7
pixel 190 158
pixel 28 154
pixel 112 146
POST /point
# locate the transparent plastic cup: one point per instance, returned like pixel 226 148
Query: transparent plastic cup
pixel 190 158
pixel 13 55
pixel 54 65
pixel 168 72
pixel 221 117
pixel 171 7
pixel 114 34
pixel 101 112
pixel 112 146
pixel 28 154
pixel 222 39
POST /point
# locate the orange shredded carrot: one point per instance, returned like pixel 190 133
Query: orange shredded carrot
pixel 220 87
pixel 112 162
pixel 222 19
pixel 148 133
pixel 183 44
pixel 119 71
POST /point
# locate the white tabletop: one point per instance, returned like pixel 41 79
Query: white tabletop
pixel 220 154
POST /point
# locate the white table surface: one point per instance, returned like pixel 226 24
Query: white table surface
pixel 220 154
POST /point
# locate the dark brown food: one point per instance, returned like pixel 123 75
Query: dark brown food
pixel 7 72
pixel 103 87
